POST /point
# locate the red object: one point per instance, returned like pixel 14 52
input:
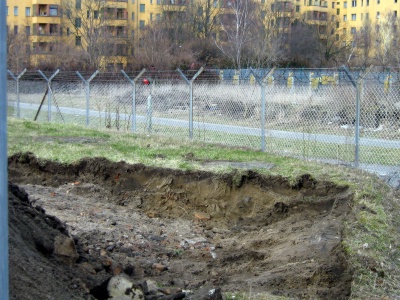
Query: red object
pixel 146 81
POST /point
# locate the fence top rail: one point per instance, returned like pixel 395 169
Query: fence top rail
pixel 280 75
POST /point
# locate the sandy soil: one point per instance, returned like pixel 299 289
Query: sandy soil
pixel 183 230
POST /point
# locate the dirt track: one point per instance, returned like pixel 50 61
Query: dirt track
pixel 183 230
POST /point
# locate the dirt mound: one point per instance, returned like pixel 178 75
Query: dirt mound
pixel 182 229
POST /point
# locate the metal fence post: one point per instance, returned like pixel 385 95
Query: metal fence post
pixel 87 84
pixel 17 78
pixel 190 84
pixel 263 83
pixel 133 83
pixel 358 85
pixel 4 281
pixel 48 80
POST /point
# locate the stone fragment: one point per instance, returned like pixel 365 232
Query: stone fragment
pixel 65 246
pixel 88 268
pixel 122 287
pixel 202 216
pixel 159 267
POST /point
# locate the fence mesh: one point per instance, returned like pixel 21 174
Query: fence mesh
pixel 310 114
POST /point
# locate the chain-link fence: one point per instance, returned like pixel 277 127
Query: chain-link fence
pixel 332 115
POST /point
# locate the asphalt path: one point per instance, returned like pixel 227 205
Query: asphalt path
pixel 231 129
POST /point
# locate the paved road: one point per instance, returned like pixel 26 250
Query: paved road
pixel 327 138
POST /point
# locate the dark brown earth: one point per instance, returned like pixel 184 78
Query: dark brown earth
pixel 185 230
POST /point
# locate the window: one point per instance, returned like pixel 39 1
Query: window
pixel 367 2
pixel 151 1
pixel 332 18
pixel 78 4
pixel 158 2
pixel 395 1
pixel 88 14
pixel 158 17
pixel 378 1
pixel 133 34
pixel 78 41
pixel 353 17
pixel 353 30
pixel 133 1
pixel 333 4
pixel 142 8
pixel 78 23
pixel 27 11
pixel 15 10
pixel 344 31
pixel 297 10
pixel 395 13
pixel 142 24
pixel 345 4
pixel 344 18
pixel 133 16
pixel 353 3
pixel 96 14
pixel 54 29
pixel 337 37
pixel 151 17
pixel 366 16
pixel 16 29
pixel 337 24
pixel 28 30
pixel 338 11
pixel 378 14
pixel 68 31
pixel 53 10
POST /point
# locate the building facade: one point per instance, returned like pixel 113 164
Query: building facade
pixel 110 29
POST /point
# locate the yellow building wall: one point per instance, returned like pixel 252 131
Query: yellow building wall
pixel 351 14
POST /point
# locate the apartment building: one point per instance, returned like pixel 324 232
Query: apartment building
pixel 48 23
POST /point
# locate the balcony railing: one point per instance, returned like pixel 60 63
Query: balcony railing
pixel 317 3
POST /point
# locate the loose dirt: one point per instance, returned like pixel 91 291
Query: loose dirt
pixel 184 230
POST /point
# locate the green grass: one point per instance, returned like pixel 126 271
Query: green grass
pixel 372 232
pixel 299 148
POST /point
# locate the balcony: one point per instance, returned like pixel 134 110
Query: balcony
pixel 316 16
pixel 46 10
pixel 282 6
pixel 117 31
pixel 115 14
pixel 317 3
pixel 45 29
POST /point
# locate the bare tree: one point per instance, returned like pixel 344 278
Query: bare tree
pixel 303 45
pixel 334 48
pixel 364 44
pixel 18 51
pixel 90 26
pixel 384 35
pixel 268 34
pixel 234 29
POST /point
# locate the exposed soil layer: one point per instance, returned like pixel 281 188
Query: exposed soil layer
pixel 181 229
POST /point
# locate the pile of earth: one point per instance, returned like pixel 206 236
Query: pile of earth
pixel 94 228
